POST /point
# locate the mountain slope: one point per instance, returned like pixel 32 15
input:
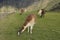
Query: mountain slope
pixel 31 4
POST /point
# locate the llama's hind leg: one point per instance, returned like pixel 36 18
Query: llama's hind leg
pixel 31 28
pixel 28 29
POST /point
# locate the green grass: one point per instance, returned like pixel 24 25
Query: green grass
pixel 47 28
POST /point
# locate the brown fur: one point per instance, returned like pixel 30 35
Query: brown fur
pixel 28 19
pixel 43 12
pixel 21 11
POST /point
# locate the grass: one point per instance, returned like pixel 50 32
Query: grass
pixel 47 28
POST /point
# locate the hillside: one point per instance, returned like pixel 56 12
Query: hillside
pixel 46 4
pixel 31 4
pixel 47 28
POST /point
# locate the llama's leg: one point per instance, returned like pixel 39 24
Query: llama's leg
pixel 28 29
pixel 41 15
pixel 31 29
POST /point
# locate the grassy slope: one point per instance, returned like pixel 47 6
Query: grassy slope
pixel 45 4
pixel 47 28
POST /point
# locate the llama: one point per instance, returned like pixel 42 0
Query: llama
pixel 41 12
pixel 29 23
pixel 22 10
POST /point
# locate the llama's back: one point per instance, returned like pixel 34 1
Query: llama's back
pixel 30 19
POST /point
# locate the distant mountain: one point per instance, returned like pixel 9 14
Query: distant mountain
pixel 32 4
pixel 18 3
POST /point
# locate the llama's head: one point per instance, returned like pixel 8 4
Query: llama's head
pixel 19 31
